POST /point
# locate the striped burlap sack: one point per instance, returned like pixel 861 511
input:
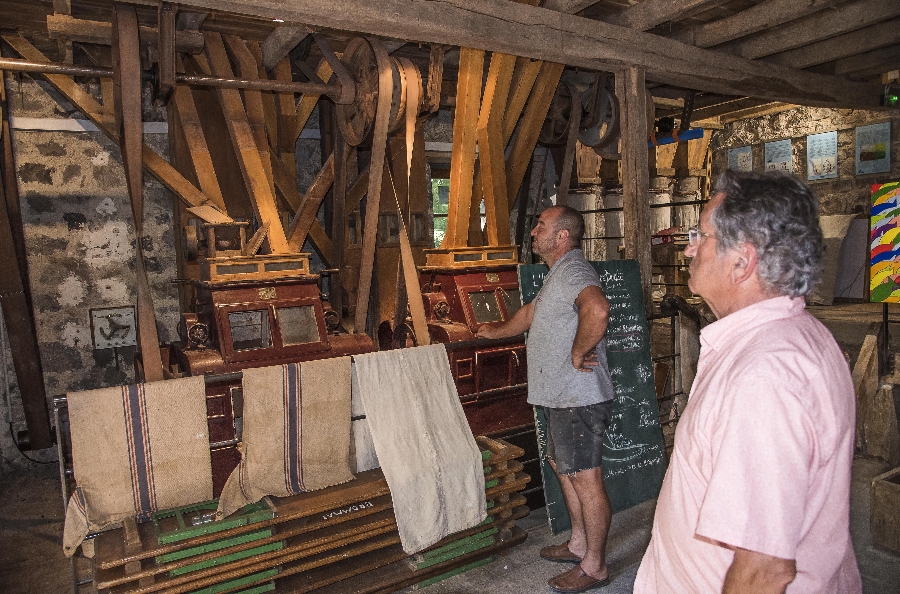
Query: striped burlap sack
pixel 135 450
pixel 296 434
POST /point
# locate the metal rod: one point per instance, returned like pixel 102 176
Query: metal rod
pixel 13 64
pixel 665 205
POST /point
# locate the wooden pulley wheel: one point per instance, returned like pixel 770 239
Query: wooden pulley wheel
pixel 356 120
pixel 609 148
pixel 556 124
pixel 602 127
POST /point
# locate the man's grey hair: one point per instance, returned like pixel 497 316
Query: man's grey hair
pixel 779 215
pixel 572 221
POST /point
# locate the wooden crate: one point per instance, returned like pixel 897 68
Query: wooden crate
pixel 885 513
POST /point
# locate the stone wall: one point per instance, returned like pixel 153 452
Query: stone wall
pixel 79 236
pixel 848 193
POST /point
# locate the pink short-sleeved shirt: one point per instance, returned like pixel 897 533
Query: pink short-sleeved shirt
pixel 762 457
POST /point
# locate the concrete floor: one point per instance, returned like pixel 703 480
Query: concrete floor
pixel 31 559
pixel 31 515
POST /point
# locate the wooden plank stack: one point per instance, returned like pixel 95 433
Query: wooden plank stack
pixel 340 539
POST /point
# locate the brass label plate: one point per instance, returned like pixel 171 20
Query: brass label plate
pixel 267 293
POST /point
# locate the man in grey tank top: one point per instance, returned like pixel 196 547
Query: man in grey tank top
pixel 569 377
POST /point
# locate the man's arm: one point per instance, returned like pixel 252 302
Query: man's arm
pixel 518 324
pixel 758 573
pixel 593 318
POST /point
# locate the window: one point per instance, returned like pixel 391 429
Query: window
pixel 250 330
pixel 440 196
pixel 512 301
pixel 485 306
pixel 298 324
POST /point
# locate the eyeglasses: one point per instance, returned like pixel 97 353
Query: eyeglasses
pixel 694 235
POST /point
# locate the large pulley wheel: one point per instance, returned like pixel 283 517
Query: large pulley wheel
pixel 602 125
pixel 609 149
pixel 356 120
pixel 556 124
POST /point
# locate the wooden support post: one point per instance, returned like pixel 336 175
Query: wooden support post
pixel 252 168
pixel 308 101
pixel 631 89
pixel 491 145
pixel 153 163
pixel 306 214
pixel 15 298
pixel 195 140
pixel 249 69
pixel 462 160
pixel 285 109
pixel 285 182
pixel 127 84
pixel 535 112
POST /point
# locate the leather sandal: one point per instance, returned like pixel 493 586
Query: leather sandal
pixel 560 554
pixel 576 580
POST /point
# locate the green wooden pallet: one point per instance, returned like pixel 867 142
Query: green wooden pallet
pixel 453 572
pixel 199 519
pixel 237 583
pixel 457 548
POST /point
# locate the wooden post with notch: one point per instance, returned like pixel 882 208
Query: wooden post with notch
pixel 631 89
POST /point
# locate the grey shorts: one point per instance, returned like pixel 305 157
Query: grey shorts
pixel 575 436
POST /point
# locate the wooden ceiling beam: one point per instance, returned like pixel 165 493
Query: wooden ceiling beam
pixel 820 26
pixel 100 32
pixel 725 107
pixel 764 15
pixel 569 6
pixel 755 112
pixel 649 13
pixel 535 32
pixel 280 42
pixel 874 62
pixel 843 46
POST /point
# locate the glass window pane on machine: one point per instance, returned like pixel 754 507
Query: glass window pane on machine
pixel 250 329
pixel 512 300
pixel 298 324
pixel 485 306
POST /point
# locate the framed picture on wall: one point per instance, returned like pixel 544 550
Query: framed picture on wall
pixel 740 159
pixel 821 156
pixel 778 156
pixel 873 148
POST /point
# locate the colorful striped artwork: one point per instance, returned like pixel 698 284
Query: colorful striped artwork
pixel 884 243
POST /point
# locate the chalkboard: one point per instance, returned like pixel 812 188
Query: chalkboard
pixel 633 452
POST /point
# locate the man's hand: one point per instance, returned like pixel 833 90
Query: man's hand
pixel 585 363
pixel 758 573
pixel 518 324
pixel 487 331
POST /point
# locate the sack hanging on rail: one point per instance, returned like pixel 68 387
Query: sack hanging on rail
pixel 296 434
pixel 135 450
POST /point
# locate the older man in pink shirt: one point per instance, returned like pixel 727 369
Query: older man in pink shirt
pixel 757 495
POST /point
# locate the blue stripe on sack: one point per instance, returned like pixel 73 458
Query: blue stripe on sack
pixel 139 449
pixel 292 397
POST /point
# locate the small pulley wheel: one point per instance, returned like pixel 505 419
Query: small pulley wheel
pixel 556 123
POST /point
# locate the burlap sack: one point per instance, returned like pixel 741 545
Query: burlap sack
pixel 296 434
pixel 423 442
pixel 135 450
